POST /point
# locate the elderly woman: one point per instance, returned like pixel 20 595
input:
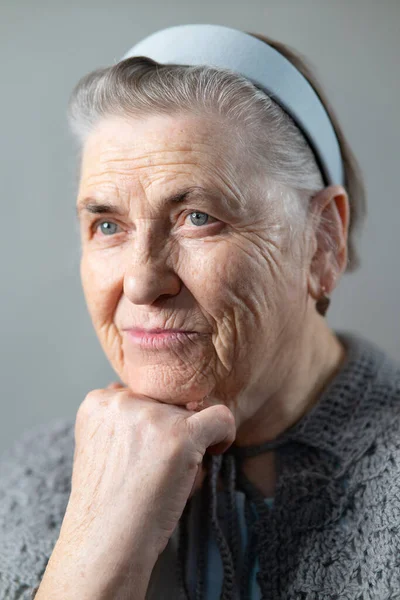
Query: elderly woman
pixel 250 451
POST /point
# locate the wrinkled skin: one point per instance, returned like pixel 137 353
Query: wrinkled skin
pixel 262 348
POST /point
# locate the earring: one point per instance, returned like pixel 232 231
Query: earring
pixel 323 303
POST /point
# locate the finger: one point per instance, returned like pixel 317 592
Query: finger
pixel 214 426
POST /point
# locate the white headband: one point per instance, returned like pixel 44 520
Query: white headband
pixel 227 48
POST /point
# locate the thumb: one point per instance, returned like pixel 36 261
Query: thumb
pixel 213 427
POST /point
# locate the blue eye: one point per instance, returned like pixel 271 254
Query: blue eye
pixel 108 228
pixel 199 218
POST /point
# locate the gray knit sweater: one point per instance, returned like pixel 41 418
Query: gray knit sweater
pixel 333 531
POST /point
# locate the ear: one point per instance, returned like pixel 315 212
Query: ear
pixel 330 215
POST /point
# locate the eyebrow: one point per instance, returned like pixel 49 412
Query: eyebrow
pixel 91 205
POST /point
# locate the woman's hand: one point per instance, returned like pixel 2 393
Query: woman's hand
pixel 135 465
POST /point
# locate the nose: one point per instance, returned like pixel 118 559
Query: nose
pixel 148 276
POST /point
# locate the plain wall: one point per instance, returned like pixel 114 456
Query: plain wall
pixel 50 355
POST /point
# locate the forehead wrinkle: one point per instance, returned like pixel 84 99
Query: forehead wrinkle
pixel 133 163
pixel 124 165
pixel 211 178
pixel 158 160
pixel 149 147
pixel 228 183
pixel 154 146
pixel 121 185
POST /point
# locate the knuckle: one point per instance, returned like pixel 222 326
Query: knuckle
pixel 91 403
pixel 146 415
pixel 94 394
pixel 92 398
pixel 119 401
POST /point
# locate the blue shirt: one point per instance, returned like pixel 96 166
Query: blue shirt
pixel 213 583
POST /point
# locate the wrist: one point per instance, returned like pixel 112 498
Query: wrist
pixel 71 575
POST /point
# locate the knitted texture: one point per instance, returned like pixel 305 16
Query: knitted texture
pixel 332 533
pixel 35 483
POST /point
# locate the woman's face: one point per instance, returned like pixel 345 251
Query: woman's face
pixel 215 262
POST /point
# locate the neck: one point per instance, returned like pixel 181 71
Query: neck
pixel 315 363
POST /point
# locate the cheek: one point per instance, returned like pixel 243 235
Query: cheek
pixel 243 289
pixel 226 280
pixel 101 286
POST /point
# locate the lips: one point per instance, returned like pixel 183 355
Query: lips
pixel 140 330
pixel 159 339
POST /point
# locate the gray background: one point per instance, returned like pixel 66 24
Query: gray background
pixel 50 356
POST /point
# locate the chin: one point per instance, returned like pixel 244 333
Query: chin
pixel 169 387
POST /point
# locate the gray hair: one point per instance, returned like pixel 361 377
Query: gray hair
pixel 266 135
